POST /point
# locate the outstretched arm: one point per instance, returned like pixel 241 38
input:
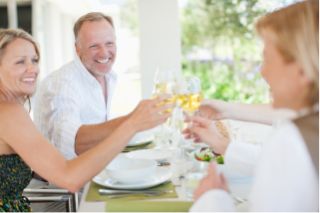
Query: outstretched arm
pixel 260 113
pixel 43 158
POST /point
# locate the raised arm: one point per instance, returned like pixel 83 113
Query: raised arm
pixel 260 113
pixel 43 158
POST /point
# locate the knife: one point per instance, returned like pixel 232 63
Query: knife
pixel 115 192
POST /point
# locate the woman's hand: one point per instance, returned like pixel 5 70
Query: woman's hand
pixel 213 180
pixel 209 132
pixel 213 109
pixel 149 113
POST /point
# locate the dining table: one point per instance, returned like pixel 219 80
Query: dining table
pixel 239 187
pixel 240 191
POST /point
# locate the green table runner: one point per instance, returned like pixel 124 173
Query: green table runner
pixel 93 194
pixel 148 206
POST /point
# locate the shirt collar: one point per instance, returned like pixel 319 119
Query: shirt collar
pixel 110 76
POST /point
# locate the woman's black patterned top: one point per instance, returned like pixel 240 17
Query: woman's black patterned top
pixel 15 175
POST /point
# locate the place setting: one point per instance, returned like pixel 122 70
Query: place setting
pixel 130 183
pixel 131 179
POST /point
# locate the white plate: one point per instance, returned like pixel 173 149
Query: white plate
pixel 141 138
pixel 151 154
pixel 162 175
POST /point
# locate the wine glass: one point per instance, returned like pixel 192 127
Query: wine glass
pixel 163 85
pixel 190 95
pixel 163 82
pixel 187 92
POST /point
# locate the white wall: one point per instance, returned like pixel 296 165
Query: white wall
pixel 52 28
pixel 160 44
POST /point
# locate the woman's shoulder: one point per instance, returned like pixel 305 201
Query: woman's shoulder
pixel 296 125
pixel 11 112
pixel 286 138
pixel 282 125
pixel 13 119
pixel 308 123
pixel 10 106
pixel 286 129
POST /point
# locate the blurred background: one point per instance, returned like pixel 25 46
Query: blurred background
pixel 212 39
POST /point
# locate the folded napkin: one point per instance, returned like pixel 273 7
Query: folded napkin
pixel 148 145
pixel 93 194
pixel 148 206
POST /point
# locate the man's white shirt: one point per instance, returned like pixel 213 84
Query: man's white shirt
pixel 67 99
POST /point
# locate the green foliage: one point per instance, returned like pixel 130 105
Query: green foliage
pixel 206 23
pixel 225 30
pixel 224 82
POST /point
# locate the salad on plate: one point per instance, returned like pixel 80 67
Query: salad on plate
pixel 206 154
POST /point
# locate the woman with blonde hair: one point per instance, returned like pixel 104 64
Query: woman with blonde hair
pixel 287 174
pixel 22 147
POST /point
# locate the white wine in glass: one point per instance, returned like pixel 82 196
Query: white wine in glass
pixel 191 97
pixel 190 102
pixel 163 85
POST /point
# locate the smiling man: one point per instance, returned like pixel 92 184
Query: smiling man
pixel 72 104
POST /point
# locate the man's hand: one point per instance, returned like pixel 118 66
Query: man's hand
pixel 150 113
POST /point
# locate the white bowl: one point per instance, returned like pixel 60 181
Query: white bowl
pixel 128 170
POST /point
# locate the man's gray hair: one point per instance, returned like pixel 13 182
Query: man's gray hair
pixel 93 16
